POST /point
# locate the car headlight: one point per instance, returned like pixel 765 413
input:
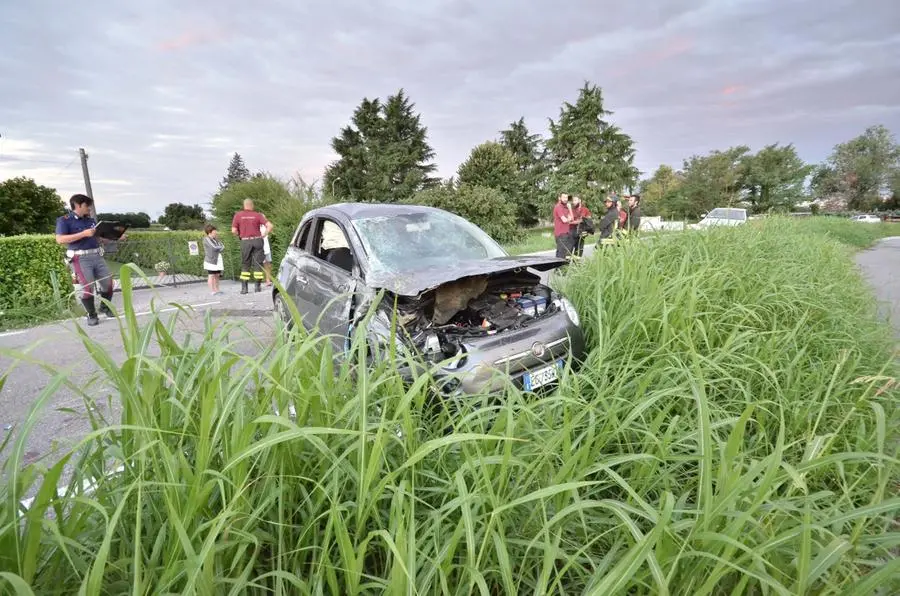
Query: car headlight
pixel 570 311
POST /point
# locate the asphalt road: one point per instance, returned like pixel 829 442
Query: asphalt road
pixel 25 353
pixel 880 266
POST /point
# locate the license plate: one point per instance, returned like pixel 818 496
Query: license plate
pixel 542 376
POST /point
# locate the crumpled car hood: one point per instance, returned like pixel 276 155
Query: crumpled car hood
pixel 413 282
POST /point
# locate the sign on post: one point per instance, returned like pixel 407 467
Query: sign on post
pixel 194 248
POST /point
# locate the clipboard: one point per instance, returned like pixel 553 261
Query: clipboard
pixel 110 230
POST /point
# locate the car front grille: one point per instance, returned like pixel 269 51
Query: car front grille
pixel 526 360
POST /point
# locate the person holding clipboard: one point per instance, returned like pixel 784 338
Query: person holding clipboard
pixel 82 236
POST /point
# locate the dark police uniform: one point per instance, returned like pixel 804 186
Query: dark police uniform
pixel 86 259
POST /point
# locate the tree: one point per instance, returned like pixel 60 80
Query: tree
pixel 383 155
pixel 132 220
pixel 859 171
pixel 237 172
pixel 713 180
pixel 178 216
pixel 530 155
pixel 28 208
pixel 660 193
pixel 488 208
pixel 491 165
pixel 774 178
pixel 589 156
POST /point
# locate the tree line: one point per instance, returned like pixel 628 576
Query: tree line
pixel 862 174
pixel 509 181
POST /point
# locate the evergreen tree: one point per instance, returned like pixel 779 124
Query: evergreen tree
pixel 237 172
pixel 589 156
pixel 383 155
pixel 490 165
pixel 530 156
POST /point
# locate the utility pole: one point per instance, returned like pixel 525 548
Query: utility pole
pixel 87 180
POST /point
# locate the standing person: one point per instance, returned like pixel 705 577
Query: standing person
pixel 267 256
pixel 609 223
pixel 623 215
pixel 581 226
pixel 562 220
pixel 76 230
pixel 246 225
pixel 212 258
pixel 634 213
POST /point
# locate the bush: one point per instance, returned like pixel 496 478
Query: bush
pixel 489 209
pixel 34 280
pixel 732 432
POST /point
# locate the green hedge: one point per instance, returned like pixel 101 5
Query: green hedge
pixel 33 274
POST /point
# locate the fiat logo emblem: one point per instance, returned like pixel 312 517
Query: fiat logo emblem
pixel 538 349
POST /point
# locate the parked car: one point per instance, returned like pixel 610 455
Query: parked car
pixel 723 216
pixel 464 307
pixel 866 218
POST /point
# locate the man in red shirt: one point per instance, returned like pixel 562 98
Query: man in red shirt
pixel 579 226
pixel 247 225
pixel 562 226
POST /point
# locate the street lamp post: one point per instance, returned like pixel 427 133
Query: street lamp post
pixel 332 186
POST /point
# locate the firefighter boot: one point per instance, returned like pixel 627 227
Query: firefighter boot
pixel 259 286
pixel 244 285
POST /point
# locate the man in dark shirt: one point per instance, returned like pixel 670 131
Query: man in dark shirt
pixel 247 225
pixel 634 213
pixel 76 231
pixel 609 223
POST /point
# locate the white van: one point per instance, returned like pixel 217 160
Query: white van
pixel 723 216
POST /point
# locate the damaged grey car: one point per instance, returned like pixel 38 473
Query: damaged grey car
pixel 450 296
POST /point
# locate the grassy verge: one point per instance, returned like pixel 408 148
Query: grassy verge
pixel 536 240
pixel 734 431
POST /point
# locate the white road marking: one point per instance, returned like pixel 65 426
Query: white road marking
pixel 137 314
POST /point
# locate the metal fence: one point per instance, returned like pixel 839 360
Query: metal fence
pixel 163 260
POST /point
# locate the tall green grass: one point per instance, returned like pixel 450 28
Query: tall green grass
pixel 733 431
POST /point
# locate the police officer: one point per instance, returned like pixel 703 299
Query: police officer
pixel 251 227
pixel 76 231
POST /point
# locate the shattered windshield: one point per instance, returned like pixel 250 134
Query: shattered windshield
pixel 423 240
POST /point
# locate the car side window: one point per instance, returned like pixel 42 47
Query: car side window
pixel 303 237
pixel 330 244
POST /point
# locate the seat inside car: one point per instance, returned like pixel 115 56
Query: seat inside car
pixel 341 257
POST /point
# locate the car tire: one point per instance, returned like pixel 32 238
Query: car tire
pixel 283 311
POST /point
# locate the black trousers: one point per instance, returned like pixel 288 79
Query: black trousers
pixel 252 255
pixel 564 245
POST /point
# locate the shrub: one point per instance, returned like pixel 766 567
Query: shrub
pixel 148 249
pixel 34 280
pixel 489 209
pixel 733 432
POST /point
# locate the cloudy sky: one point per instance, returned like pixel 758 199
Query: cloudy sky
pixel 160 97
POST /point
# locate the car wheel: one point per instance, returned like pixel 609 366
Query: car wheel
pixel 283 312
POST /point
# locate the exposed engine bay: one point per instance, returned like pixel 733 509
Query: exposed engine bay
pixel 439 320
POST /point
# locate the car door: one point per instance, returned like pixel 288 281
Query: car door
pixel 332 277
pixel 293 273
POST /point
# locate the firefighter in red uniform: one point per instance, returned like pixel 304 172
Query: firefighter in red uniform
pixel 251 227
